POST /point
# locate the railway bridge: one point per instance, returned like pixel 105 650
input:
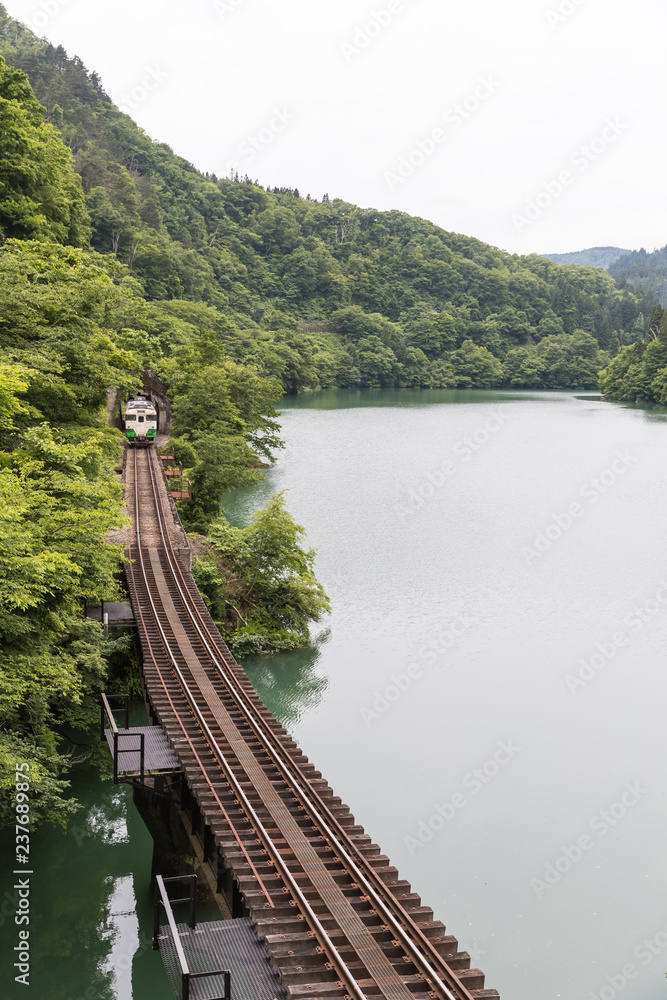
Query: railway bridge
pixel 335 919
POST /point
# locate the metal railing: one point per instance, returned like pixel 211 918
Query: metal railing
pixel 162 899
pixel 107 713
pixel 117 751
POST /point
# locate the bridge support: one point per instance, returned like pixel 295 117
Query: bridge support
pixel 173 851
pixel 184 845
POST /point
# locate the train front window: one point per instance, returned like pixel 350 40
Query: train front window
pixel 141 420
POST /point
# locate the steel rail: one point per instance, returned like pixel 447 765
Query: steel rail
pixel 176 711
pixel 306 909
pixel 305 792
pixel 296 779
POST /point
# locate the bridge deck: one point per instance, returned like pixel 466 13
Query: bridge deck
pixel 335 918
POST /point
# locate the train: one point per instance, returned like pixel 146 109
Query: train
pixel 140 420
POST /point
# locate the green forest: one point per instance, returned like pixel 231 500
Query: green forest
pixel 644 271
pixel 116 256
pixel 75 330
pixel 317 293
pixel 639 372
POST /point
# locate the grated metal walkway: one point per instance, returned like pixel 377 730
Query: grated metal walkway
pixel 158 755
pixel 222 944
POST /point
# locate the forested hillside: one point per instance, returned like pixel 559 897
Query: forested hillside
pixel 391 300
pixel 644 271
pixel 75 327
pixel 639 372
pixel 59 496
pixel 117 255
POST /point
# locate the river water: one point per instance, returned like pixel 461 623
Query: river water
pixel 487 694
pixel 90 904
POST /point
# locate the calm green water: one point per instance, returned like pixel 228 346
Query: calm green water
pixel 443 699
pixel 90 904
pixel 489 696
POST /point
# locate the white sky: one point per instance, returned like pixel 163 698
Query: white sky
pixel 352 105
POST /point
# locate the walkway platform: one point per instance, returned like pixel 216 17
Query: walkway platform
pixel 120 614
pixel 158 755
pixel 221 944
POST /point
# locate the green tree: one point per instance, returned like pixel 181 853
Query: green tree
pixel 523 368
pixel 430 331
pixel 570 361
pixel 58 501
pixel 376 363
pixel 260 582
pixel 475 367
pixel 40 195
pixel 223 420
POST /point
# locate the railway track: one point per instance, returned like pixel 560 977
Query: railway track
pixel 336 920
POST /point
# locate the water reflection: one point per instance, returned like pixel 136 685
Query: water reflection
pixel 287 682
pixel 343 399
pixel 119 929
pixel 86 910
pixel 652 412
pixel 239 505
pixel 107 823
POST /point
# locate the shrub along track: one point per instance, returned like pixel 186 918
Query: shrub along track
pixel 335 918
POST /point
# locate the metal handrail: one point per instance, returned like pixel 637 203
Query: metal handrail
pixel 106 709
pixel 162 897
pixel 107 714
pixel 119 750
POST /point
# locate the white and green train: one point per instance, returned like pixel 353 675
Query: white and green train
pixel 140 417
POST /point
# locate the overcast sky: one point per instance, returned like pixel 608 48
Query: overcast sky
pixel 534 126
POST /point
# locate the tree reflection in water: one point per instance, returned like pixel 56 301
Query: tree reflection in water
pixel 287 682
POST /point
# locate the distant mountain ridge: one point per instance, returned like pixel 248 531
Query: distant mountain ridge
pixel 593 257
pixel 639 269
pixel 644 271
pixel 315 294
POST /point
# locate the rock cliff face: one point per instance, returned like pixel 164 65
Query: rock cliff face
pixel 158 392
